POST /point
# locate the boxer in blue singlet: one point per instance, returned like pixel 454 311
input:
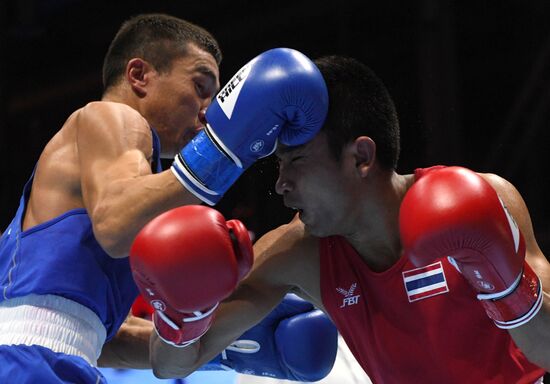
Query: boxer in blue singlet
pixel 65 280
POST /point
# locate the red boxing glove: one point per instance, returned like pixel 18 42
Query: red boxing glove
pixel 184 262
pixel 454 212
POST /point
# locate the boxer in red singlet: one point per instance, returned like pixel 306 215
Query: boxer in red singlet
pixel 431 277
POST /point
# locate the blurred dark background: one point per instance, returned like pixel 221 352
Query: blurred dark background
pixel 470 80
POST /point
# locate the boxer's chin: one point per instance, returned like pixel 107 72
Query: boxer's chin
pixel 190 134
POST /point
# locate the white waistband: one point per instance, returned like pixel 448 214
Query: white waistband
pixel 53 322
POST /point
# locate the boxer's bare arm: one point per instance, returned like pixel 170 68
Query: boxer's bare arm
pixel 130 346
pixel 286 260
pixel 119 191
pixel 532 338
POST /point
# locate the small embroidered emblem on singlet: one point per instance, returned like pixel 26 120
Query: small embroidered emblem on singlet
pixel 349 297
pixel 421 283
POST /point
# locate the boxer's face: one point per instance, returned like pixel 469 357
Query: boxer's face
pixel 322 189
pixel 179 97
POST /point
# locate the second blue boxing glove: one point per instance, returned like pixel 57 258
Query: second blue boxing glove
pixel 294 342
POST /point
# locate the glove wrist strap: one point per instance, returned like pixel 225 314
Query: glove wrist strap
pixel 517 307
pixel 176 344
pixel 188 329
pixel 205 168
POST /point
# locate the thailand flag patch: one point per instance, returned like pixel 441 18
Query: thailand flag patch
pixel 424 282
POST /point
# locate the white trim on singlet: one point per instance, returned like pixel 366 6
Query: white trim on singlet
pixel 53 322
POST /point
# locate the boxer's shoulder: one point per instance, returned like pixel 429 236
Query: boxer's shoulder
pixel 111 127
pixel 109 116
pixel 109 107
pixel 499 184
pixel 287 240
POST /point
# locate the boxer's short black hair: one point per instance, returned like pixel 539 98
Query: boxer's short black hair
pixel 156 38
pixel 359 105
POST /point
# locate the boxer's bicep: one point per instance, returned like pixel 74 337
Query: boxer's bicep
pixel 283 257
pixel 114 145
pixel 292 258
pixel 285 261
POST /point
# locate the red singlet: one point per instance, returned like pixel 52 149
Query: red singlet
pixel 416 325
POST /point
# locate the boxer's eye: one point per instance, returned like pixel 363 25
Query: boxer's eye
pixel 200 88
pixel 296 158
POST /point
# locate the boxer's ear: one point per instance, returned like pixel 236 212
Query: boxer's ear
pixel 138 74
pixel 364 150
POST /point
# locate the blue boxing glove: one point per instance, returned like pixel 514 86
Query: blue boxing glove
pixel 279 95
pixel 294 342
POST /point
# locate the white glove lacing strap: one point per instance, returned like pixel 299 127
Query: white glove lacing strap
pixel 199 315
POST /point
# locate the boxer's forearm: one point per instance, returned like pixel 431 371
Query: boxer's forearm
pixel 125 206
pixel 533 338
pixel 169 362
pixel 244 309
pixel 130 347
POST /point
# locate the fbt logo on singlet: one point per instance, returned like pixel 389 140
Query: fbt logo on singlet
pixel 349 297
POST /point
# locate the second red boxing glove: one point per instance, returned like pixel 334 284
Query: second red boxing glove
pixel 184 262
